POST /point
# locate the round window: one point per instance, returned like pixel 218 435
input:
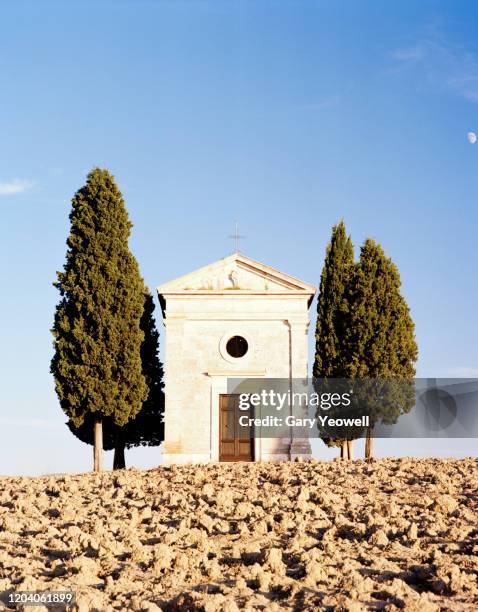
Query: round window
pixel 237 346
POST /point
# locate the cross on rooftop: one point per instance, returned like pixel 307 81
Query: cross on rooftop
pixel 236 237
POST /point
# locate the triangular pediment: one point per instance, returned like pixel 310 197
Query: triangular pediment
pixel 236 273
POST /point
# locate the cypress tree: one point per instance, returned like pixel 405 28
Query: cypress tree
pixel 147 427
pixel 331 354
pixel 97 334
pixel 381 338
pixel 331 349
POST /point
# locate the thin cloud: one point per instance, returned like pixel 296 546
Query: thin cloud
pixel 30 423
pixel 462 372
pixel 451 372
pixel 441 65
pixel 408 54
pixel 14 187
pixel 325 103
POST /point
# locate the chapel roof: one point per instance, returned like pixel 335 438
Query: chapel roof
pixel 236 274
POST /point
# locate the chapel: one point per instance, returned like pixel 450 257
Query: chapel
pixel 234 318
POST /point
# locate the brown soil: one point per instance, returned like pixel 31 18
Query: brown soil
pixel 387 535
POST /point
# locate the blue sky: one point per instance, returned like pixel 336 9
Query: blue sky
pixel 285 115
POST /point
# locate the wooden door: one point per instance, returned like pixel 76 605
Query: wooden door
pixel 235 442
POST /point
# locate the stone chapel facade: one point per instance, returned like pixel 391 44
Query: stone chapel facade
pixel 233 318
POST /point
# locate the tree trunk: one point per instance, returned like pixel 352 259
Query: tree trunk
pixel 344 451
pixel 119 460
pixel 350 450
pixel 98 446
pixel 369 444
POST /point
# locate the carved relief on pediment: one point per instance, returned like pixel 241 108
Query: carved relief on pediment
pixel 225 279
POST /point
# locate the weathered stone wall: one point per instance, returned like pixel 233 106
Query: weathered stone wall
pixel 197 364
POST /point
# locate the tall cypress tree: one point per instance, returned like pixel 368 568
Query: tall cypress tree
pixel 331 356
pixel 331 350
pixel 147 427
pixel 97 362
pixel 381 337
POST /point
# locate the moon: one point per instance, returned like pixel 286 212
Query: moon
pixel 471 137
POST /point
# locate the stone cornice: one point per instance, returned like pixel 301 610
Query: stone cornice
pixel 236 374
pixel 265 293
